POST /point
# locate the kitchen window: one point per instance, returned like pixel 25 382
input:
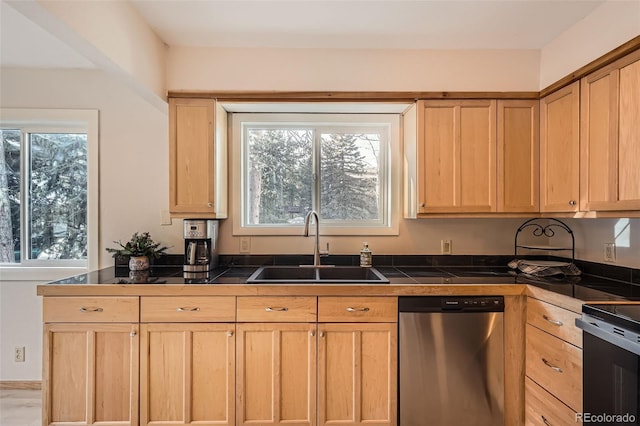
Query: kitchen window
pixel 47 184
pixel 339 165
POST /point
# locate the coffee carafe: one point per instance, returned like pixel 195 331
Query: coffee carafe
pixel 200 245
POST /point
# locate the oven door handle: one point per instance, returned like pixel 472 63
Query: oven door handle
pixel 614 339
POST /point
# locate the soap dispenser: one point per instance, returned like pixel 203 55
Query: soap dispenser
pixel 366 259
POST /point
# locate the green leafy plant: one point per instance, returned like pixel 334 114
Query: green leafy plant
pixel 139 245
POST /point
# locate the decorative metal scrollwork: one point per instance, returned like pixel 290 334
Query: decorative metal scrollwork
pixel 545 230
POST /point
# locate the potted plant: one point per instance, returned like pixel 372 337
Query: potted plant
pixel 140 248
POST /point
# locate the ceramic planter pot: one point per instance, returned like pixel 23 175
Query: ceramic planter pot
pixel 139 263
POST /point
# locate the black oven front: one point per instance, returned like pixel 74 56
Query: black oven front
pixel 611 364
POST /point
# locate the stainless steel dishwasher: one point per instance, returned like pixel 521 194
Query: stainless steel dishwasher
pixel 451 361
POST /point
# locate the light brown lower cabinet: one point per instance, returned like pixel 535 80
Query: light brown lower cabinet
pixel 187 374
pixel 357 374
pixel 544 409
pixel 90 374
pixel 276 374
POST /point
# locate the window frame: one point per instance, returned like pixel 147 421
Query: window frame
pixel 33 121
pixel 390 170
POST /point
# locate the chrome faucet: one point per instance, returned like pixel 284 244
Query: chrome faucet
pixel 316 247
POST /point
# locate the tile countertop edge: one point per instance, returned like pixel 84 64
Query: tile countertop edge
pixel 281 290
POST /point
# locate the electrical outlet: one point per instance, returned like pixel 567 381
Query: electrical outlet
pixel 245 244
pixel 610 252
pixel 445 247
pixel 18 355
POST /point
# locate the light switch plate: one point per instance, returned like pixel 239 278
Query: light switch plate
pixel 445 247
pixel 245 244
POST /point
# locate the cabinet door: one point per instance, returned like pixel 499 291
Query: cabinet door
pixel 560 150
pixel 518 182
pixel 90 374
pixel 192 156
pixel 276 374
pixel 187 374
pixel 610 140
pixel 456 156
pixel 357 374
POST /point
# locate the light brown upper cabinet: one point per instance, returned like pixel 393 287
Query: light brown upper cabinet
pixel 477 156
pixel 610 137
pixel 517 175
pixel 456 156
pixel 560 150
pixel 197 158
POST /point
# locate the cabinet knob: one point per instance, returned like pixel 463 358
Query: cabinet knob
pixel 230 334
pixel 422 205
pixel 209 204
pixel 133 334
pixel 572 202
pixel 312 333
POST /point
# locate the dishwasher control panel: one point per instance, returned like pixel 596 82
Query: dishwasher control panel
pixel 451 303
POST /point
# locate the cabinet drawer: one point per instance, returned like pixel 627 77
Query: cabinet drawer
pixel 357 309
pixel 554 320
pixel 90 309
pixel 556 366
pixel 543 409
pixel 276 309
pixel 188 309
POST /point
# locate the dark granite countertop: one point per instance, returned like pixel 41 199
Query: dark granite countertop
pixel 586 287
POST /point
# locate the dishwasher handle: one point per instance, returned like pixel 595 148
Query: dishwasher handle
pixel 600 328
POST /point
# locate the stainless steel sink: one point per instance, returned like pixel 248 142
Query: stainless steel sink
pixel 311 275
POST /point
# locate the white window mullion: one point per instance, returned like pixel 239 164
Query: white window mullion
pixel 317 175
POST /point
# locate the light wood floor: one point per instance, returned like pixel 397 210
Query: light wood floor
pixel 20 407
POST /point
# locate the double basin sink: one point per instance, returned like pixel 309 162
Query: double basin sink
pixel 316 275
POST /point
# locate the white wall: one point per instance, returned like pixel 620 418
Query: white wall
pixel 592 234
pixel 20 325
pixel 190 68
pixel 607 27
pixel 134 158
pixel 133 185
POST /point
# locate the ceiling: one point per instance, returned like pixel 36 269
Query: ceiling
pixel 361 24
pixel 392 24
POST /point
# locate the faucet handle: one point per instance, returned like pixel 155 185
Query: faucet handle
pixel 325 252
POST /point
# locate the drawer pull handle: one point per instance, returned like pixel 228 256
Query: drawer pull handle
pixel 83 309
pixel 350 309
pixel 545 421
pixel 188 309
pixel 552 321
pixel 551 366
pixel 270 309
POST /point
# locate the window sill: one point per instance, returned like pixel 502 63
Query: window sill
pixel 44 274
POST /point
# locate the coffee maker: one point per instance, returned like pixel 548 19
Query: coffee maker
pixel 200 245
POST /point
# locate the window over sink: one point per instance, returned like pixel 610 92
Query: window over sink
pixel 340 165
